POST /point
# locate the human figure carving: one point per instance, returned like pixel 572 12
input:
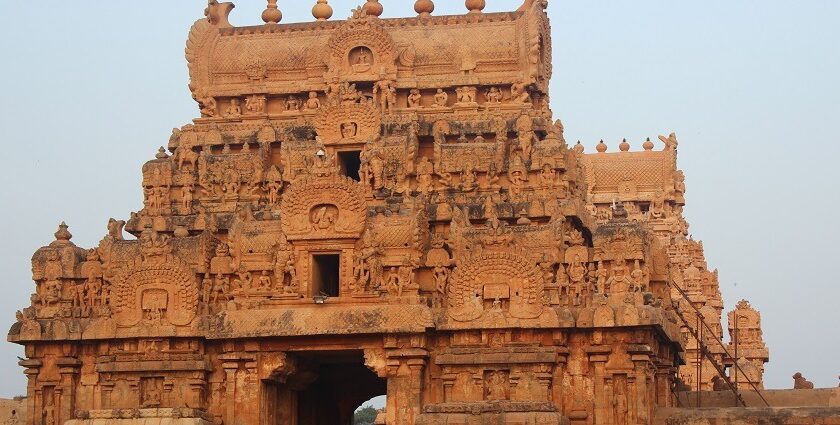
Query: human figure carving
pixel 292 104
pixel 517 174
pixel 657 205
pixel 493 95
pixel 333 92
pixel 519 93
pixel 441 98
pixel 602 275
pixel 235 109
pixel 497 386
pixel 415 99
pixel 367 271
pixel 313 103
pixel 577 276
pixel 255 104
pixel 387 94
pixel 264 281
pixel 221 287
pixel 638 278
pixel 465 95
pixel 469 181
pixel 526 136
pixel 619 281
pixel 49 412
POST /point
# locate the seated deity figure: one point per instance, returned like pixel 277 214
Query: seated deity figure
pixel 441 98
pixel 313 102
pixel 415 99
pixel 235 109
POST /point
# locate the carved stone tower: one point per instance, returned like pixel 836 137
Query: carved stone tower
pixel 371 207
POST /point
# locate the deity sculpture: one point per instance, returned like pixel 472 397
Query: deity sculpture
pixel 493 95
pixel 519 93
pixel 255 104
pixel 466 95
pixel 441 98
pixel 292 103
pixel 313 102
pixel 415 99
pixel 235 109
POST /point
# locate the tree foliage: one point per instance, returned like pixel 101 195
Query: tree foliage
pixel 365 416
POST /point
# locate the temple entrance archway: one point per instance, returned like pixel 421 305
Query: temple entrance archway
pixel 325 389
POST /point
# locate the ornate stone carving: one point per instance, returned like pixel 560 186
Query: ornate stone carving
pixel 324 207
pixel 347 123
pixel 157 289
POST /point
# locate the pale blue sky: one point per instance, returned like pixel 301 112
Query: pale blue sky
pixel 90 89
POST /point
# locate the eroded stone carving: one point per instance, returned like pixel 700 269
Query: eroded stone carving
pixel 331 199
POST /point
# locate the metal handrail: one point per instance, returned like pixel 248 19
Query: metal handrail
pixel 704 351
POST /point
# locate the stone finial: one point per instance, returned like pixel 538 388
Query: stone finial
pixel 272 14
pixel 63 234
pixel 475 6
pixel 322 11
pixel 579 148
pixel 602 147
pixel 424 7
pixel 373 8
pixel 161 153
pixel 648 145
pixel 624 146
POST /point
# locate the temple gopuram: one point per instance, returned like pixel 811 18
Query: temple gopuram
pixel 370 207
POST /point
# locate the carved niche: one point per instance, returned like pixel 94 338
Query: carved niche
pixel 331 207
pixel 361 47
pixel 159 290
pixel 356 122
pixel 503 278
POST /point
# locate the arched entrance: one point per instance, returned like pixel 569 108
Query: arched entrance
pixel 325 388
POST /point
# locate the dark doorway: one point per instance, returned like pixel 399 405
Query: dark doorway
pixel 350 163
pixel 326 389
pixel 325 274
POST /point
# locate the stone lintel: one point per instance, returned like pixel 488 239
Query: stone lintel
pixel 149 366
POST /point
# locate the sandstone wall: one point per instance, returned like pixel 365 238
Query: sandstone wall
pixel 749 416
pixel 827 397
pixel 13 412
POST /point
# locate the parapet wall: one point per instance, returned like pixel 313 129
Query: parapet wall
pixel 13 412
pixel 749 416
pixel 827 397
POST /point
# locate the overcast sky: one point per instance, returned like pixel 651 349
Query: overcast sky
pixel 90 89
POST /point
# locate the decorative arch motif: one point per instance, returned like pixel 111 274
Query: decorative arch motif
pixel 495 276
pixel 539 46
pixel 360 34
pixel 348 123
pixel 324 208
pixel 156 292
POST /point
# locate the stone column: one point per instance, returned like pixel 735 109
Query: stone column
pixel 231 366
pixel 33 368
pixel 643 404
pixel 598 357
pixel 557 379
pixel 68 368
pixel 404 371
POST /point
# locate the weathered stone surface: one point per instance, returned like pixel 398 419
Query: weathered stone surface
pixel 749 416
pixel 376 207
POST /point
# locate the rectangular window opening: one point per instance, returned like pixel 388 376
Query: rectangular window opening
pixel 325 274
pixel 350 163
